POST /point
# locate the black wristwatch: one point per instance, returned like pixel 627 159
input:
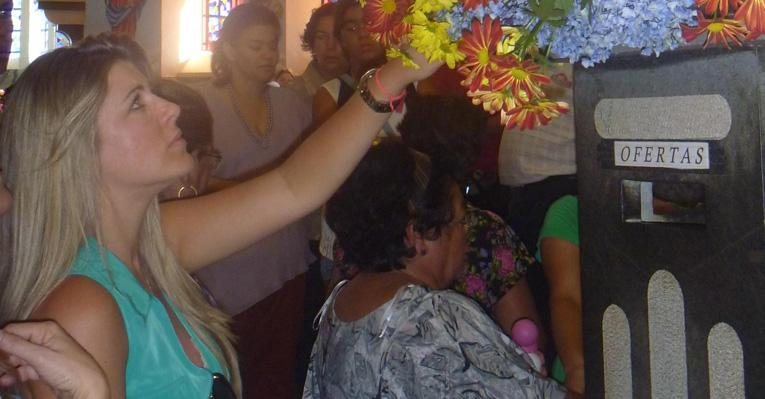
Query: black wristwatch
pixel 366 95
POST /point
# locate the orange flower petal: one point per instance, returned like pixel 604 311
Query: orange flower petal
pixel 533 114
pixel 752 14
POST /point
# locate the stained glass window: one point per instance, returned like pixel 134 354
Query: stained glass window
pixel 215 11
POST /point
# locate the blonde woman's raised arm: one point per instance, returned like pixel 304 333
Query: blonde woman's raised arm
pixel 208 228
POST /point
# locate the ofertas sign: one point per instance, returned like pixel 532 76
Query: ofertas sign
pixel 662 154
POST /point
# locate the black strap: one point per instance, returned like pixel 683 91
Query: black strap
pixel 345 93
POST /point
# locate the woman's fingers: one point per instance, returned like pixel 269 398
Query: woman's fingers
pixel 44 351
pixel 427 67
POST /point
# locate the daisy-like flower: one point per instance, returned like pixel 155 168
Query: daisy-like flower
pixel 519 77
pixel 471 4
pixel 428 6
pixel 431 39
pixel 493 101
pixel 385 20
pixel 533 114
pixel 752 13
pixel 710 7
pixel 479 45
pixel 720 30
pixel 511 35
pixel 395 52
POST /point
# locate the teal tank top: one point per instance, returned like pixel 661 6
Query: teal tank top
pixel 157 366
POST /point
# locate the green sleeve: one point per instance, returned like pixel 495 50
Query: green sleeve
pixel 562 221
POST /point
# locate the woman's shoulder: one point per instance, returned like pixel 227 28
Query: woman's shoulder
pixel 80 297
pixel 88 313
pixel 450 301
pixel 85 309
pixel 442 306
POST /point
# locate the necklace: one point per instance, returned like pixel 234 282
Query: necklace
pixel 261 138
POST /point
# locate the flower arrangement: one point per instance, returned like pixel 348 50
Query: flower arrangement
pixel 500 45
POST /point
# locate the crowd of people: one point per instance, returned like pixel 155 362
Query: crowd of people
pixel 156 236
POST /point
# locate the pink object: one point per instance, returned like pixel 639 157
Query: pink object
pixel 526 334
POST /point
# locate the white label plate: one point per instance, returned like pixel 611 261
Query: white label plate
pixel 662 154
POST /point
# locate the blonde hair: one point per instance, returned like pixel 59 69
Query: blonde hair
pixel 50 163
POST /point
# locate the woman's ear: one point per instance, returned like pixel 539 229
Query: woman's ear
pixel 415 240
pixel 228 51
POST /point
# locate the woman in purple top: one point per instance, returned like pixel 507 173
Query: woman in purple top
pixel 256 126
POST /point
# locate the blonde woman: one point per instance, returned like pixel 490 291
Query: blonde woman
pixel 86 148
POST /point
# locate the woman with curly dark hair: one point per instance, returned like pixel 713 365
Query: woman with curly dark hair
pixel 447 129
pixel 395 330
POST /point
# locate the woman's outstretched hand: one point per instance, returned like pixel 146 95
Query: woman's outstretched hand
pixel 397 75
pixel 426 69
pixel 44 351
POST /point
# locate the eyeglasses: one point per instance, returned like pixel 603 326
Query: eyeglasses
pixel 221 388
pixel 353 28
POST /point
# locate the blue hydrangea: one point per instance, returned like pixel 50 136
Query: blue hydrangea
pixel 590 35
pixel 510 12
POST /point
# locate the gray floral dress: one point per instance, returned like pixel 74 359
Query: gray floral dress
pixel 420 344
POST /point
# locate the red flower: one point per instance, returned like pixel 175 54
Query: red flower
pixel 535 113
pixel 520 76
pixel 752 14
pixel 710 7
pixel 385 20
pixel 479 45
pixel 471 4
pixel 720 30
pixel 493 101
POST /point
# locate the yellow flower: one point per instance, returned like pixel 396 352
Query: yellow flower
pixel 432 40
pixel 507 45
pixel 395 52
pixel 428 6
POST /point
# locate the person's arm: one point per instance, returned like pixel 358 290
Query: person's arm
pixel 203 230
pixel 324 106
pixel 560 260
pixel 216 184
pixel 44 351
pixel 89 314
pixel 518 303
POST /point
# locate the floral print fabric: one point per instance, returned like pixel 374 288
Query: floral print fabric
pixel 496 258
pixel 420 344
pixel 495 261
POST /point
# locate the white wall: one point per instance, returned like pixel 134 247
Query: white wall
pixel 298 12
pixel 163 28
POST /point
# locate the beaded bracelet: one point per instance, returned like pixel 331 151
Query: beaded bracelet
pixel 371 102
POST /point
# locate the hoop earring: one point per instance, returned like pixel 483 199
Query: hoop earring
pixel 189 187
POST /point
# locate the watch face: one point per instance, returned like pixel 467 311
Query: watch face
pixel 62 39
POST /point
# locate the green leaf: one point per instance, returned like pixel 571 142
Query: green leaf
pixel 551 10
